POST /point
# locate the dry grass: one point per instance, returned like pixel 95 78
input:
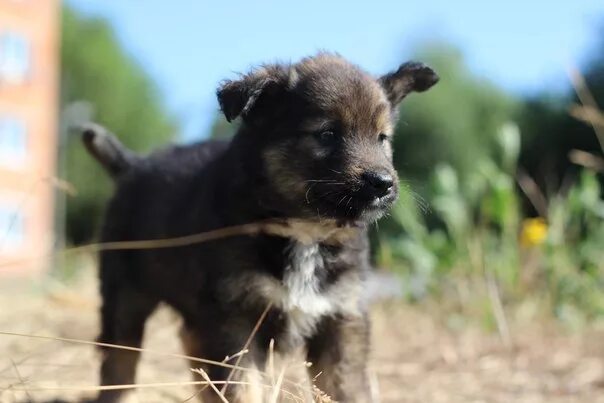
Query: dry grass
pixel 416 357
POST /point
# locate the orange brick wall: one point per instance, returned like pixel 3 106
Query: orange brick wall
pixel 26 186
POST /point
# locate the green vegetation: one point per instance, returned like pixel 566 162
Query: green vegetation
pixel 97 70
pixel 484 237
pixel 455 122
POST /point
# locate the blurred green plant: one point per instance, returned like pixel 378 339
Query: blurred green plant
pixel 454 123
pixel 97 70
pixel 484 236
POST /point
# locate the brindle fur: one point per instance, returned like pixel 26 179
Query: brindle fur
pixel 276 167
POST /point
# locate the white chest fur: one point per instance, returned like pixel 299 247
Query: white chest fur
pixel 301 297
pixel 301 283
pixel 304 300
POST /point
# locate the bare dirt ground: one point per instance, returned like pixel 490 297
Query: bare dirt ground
pixel 415 357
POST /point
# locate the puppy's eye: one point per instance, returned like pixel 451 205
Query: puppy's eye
pixel 382 138
pixel 326 137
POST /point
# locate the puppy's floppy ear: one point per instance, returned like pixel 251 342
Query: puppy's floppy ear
pixel 238 97
pixel 410 77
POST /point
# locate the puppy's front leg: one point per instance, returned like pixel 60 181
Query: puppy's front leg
pixel 216 345
pixel 339 352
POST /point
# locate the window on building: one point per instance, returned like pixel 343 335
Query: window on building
pixel 14 57
pixel 13 142
pixel 12 227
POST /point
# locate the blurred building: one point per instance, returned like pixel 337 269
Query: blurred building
pixel 29 70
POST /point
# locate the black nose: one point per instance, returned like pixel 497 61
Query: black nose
pixel 380 183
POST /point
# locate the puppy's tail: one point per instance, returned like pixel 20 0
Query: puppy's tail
pixel 107 149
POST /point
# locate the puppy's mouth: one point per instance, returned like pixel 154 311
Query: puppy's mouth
pixel 350 202
pixel 381 203
pixel 373 208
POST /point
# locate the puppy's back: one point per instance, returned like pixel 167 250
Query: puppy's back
pixel 154 194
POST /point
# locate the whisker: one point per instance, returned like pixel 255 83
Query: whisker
pixel 421 203
pixel 323 180
pixel 348 202
pixel 330 192
pixel 323 195
pixel 308 191
pixel 328 183
pixel 341 200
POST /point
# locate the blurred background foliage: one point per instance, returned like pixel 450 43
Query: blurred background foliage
pixel 453 123
pixel 96 71
pixel 493 212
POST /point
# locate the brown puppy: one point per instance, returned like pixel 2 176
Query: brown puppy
pixel 312 159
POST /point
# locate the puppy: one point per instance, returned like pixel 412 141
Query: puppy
pixel 309 168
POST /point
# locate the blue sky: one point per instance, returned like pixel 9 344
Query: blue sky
pixel 189 46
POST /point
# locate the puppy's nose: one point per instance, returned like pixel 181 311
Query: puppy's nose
pixel 380 183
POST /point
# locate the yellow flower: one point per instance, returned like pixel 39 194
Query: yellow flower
pixel 534 232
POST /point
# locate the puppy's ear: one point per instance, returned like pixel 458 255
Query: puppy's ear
pixel 410 77
pixel 239 97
